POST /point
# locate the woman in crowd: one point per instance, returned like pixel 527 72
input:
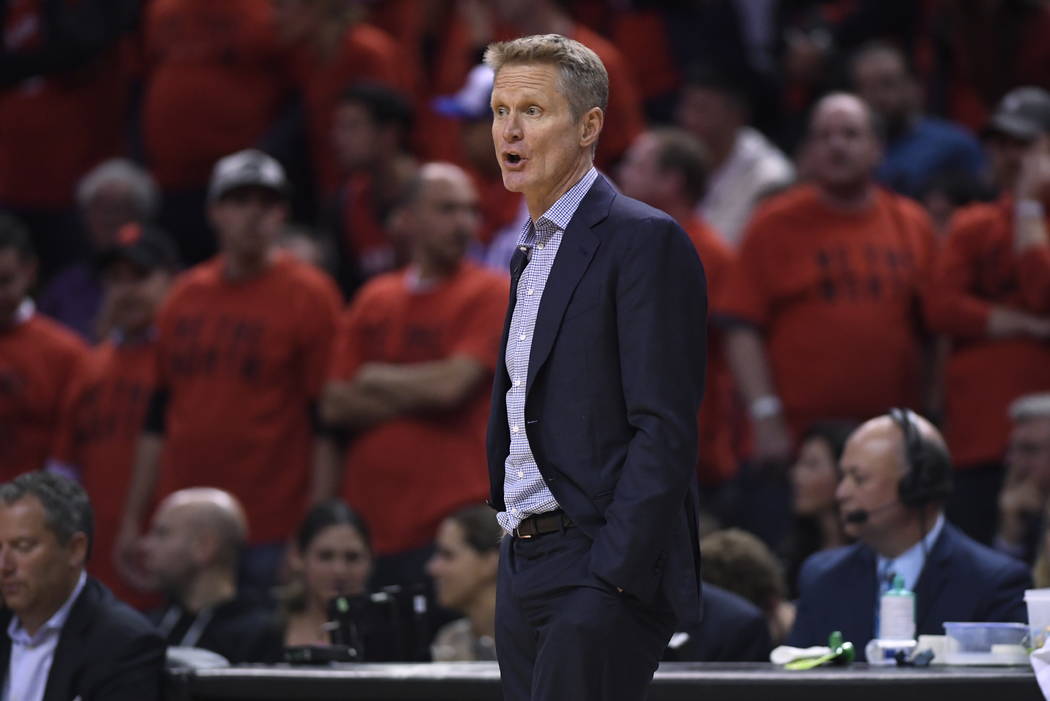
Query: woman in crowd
pixel 814 479
pixel 464 568
pixel 331 556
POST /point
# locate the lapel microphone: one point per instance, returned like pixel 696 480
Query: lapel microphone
pixel 860 516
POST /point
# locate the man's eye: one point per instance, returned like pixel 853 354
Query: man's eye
pixel 532 110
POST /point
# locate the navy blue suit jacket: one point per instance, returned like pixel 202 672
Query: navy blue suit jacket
pixel 106 652
pixel 615 378
pixel 962 581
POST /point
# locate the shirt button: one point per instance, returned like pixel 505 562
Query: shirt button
pixel 521 473
pixel 517 383
pixel 540 246
pixel 521 337
pixel 514 429
pixel 529 291
pixel 514 510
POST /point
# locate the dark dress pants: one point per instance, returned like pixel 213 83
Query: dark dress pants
pixel 562 633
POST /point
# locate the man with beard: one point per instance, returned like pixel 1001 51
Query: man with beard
pixel 918 147
pixel 411 368
pixel 820 305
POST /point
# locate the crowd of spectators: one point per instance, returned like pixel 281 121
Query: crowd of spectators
pixel 253 276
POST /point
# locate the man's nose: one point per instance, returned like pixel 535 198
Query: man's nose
pixel 512 130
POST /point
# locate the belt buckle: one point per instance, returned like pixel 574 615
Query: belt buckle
pixel 522 536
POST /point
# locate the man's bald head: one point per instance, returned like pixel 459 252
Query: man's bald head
pixel 212 511
pixel 439 214
pixel 195 533
pixel 886 430
pixel 843 146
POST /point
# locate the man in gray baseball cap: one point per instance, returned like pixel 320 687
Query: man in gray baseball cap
pixel 247 169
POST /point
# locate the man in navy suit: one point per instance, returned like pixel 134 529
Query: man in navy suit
pixel 64 635
pixel 896 474
pixel 592 439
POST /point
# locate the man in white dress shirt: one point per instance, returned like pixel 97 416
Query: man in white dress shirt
pixel 66 635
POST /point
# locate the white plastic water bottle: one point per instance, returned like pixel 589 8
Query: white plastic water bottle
pixel 897 612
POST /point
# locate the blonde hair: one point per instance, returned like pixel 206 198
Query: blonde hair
pixel 582 76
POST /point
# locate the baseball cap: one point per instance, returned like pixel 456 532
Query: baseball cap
pixel 472 100
pixel 142 244
pixel 1023 113
pixel 247 168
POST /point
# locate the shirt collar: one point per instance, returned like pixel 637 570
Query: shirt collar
pixel 909 564
pixel 562 211
pixel 53 625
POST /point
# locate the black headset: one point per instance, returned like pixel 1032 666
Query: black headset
pixel 929 467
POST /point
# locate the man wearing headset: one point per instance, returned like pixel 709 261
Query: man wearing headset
pixel 896 475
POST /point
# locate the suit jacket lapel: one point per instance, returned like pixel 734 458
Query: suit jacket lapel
pixel 68 652
pixel 577 249
pixel 933 578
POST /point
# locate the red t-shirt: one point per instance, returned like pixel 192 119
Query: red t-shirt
pixel 364 54
pixel 406 475
pixel 216 75
pixel 243 362
pixel 38 360
pixel 976 269
pixel 716 419
pixel 55 128
pixel 100 427
pixel 835 294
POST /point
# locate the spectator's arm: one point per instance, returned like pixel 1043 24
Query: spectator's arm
pixel 439 385
pixel 750 367
pixel 327 471
pixel 952 309
pixel 1033 250
pixel 349 405
pixel 140 492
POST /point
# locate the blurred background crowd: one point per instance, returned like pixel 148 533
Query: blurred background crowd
pixel 253 277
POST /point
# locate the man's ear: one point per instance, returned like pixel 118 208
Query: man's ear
pixel 591 124
pixel 78 547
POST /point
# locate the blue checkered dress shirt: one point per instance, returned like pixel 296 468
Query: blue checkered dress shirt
pixel 524 491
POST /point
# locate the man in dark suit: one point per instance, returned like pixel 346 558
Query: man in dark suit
pixel 733 630
pixel 66 636
pixel 896 475
pixel 592 439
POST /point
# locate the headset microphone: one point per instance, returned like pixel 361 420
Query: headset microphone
pixel 862 515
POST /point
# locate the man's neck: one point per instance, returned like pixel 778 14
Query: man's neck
pixel 849 198
pixel 32 621
pixel 240 268
pixel 539 203
pixel 429 272
pixel 210 588
pixel 902 539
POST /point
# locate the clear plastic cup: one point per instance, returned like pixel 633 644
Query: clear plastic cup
pixel 1038 603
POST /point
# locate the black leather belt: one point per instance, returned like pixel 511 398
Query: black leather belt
pixel 542 524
